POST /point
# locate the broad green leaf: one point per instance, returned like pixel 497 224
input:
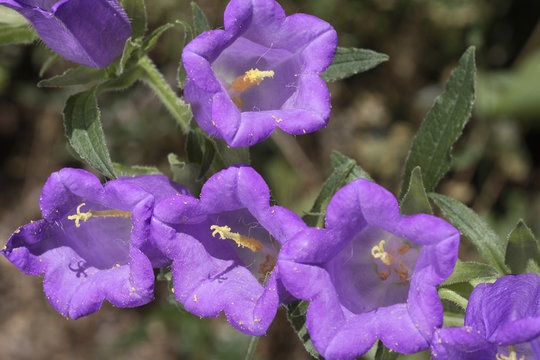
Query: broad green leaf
pixel 125 80
pixel 83 130
pixel 80 75
pixel 200 150
pixel 479 233
pixel 345 171
pixel 383 353
pixel 415 200
pixel 469 271
pixel 152 39
pixel 16 34
pixel 522 250
pixel 200 23
pixel 351 61
pixel 134 170
pixel 442 126
pixel 185 174
pixel 337 159
pixel 188 36
pixel 296 313
pixel 136 12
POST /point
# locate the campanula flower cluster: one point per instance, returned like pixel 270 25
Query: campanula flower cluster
pixel 371 273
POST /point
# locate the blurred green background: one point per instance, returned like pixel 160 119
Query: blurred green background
pixel 375 114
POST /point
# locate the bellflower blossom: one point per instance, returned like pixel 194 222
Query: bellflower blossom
pixel 262 71
pixel 225 246
pixel 502 322
pixel 94 242
pixel 372 273
pixel 91 33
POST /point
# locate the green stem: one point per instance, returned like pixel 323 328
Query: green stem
pixel 252 346
pixel 176 106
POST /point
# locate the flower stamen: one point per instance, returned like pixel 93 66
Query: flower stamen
pixel 378 252
pixel 241 240
pixel 268 265
pixel 511 356
pixel 250 78
pixel 95 213
pixel 384 276
pixel 403 273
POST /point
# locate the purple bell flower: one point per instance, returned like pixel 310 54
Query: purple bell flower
pixel 88 32
pixel 262 71
pixel 225 246
pixel 502 322
pixel 372 273
pixel 94 241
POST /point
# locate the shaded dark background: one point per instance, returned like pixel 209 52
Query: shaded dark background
pixel 375 114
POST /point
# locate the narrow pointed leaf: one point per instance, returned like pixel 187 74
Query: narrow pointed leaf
pixel 129 49
pixel 432 145
pixel 479 233
pixel 351 61
pixel 296 313
pixel 383 353
pixel 415 200
pixel 152 39
pixel 188 36
pixel 337 159
pixel 522 251
pixel 469 271
pixel 80 75
pixel 136 12
pixel 185 174
pixel 16 34
pixel 84 132
pixel 200 23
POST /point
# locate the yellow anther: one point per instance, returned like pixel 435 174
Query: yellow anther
pixel 378 252
pixel 95 213
pixel 241 240
pixel 80 216
pixel 384 276
pixel 511 356
pixel 403 272
pixel 250 78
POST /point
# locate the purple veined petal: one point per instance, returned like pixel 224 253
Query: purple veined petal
pixel 382 269
pixel 224 248
pixel 94 243
pixel 464 343
pixel 267 66
pixel 91 33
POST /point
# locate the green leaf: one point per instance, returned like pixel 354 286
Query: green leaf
pixel 415 200
pixel 337 159
pixel 470 271
pixel 130 47
pixel 200 23
pixel 125 80
pixel 351 61
pixel 136 12
pixel 383 353
pixel 200 150
pixel 185 174
pixel 227 156
pixel 152 39
pixel 134 170
pixel 83 130
pixel 442 126
pixel 296 314
pixel 48 63
pixel 188 36
pixel 16 34
pixel 480 234
pixel 345 171
pixel 80 75
pixel 522 250
pixel 453 320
